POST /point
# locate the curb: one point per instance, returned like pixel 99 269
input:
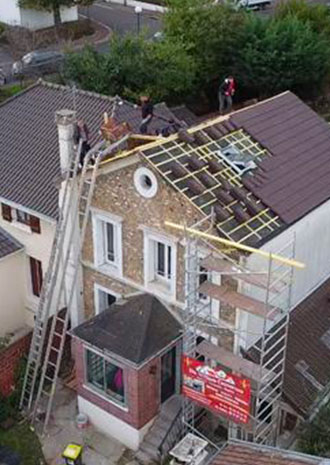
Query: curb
pixel 105 26
pixel 143 5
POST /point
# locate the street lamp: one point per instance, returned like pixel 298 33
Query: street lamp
pixel 138 11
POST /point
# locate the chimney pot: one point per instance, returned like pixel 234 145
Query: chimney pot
pixel 65 120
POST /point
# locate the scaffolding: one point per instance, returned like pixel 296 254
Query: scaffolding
pixel 222 281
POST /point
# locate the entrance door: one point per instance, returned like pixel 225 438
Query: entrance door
pixel 168 374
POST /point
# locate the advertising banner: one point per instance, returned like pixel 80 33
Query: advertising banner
pixel 226 394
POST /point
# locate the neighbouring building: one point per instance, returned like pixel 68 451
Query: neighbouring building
pixel 29 188
pixel 14 15
pixel 261 170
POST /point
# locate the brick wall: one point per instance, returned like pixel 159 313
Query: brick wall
pixel 9 359
pixel 141 390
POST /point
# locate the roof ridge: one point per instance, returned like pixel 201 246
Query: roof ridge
pixel 89 93
pixel 23 91
pixel 261 102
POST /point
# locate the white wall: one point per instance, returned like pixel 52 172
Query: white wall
pixel 11 293
pixel 37 246
pixel 10 12
pixel 33 19
pixel 112 426
pixel 312 248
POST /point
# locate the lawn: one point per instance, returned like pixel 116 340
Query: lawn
pixel 24 441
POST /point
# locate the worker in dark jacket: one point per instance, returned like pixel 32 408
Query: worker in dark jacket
pixel 147 113
pixel 81 133
pixel 226 92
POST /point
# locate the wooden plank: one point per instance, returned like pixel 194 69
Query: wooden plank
pixel 236 363
pixel 226 295
pixel 222 266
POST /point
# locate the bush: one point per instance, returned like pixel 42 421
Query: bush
pixel 315 436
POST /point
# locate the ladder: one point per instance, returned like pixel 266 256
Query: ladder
pixel 47 291
pixel 78 201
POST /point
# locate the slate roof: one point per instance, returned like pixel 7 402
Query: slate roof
pixel 29 143
pixel 134 329
pixel 295 179
pixel 8 244
pixel 310 322
pixel 236 453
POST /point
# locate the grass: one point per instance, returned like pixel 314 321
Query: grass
pixel 23 441
pixel 11 90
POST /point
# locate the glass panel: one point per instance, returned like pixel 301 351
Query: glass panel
pixel 114 377
pixel 95 370
pixel 22 217
pixel 201 279
pixel 110 242
pixel 169 262
pixel 160 261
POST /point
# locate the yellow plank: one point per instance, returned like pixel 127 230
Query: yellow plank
pixel 246 248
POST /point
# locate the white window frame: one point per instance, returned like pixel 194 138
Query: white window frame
pixel 154 282
pixel 97 303
pixel 115 267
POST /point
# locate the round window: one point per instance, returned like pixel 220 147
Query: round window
pixel 145 182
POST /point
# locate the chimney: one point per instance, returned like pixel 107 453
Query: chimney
pixel 65 120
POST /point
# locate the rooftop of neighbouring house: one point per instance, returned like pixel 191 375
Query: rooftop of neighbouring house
pixel 258 169
pixel 244 453
pixel 29 150
pixel 8 244
pixel 142 320
pixel 307 377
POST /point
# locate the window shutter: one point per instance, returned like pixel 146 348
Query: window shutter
pixel 6 212
pixel 35 224
pixel 36 276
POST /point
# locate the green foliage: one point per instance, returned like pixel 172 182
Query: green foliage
pixel 281 54
pixel 134 66
pixel 316 15
pixel 23 440
pixel 315 436
pixel 211 33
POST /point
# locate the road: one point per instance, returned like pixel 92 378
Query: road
pixel 123 19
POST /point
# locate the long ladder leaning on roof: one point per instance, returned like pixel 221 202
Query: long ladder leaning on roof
pixel 60 258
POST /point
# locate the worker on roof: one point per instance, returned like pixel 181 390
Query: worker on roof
pixel 226 93
pixel 81 133
pixel 147 113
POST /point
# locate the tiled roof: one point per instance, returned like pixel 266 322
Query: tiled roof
pixel 309 321
pixel 29 143
pixel 296 178
pixel 236 453
pixel 142 320
pixel 8 244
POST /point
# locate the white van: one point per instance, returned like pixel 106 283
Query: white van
pixel 253 4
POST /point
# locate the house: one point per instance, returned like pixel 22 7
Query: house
pixel 29 188
pixel 257 172
pixel 237 452
pixel 14 15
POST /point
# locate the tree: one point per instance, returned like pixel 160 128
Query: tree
pixel 134 66
pixel 282 54
pixel 53 6
pixel 211 34
pixel 315 436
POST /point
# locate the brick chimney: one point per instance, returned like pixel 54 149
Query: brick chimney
pixel 65 120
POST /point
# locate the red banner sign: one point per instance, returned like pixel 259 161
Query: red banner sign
pixel 226 394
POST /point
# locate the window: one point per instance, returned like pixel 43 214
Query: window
pixel 159 264
pixel 103 298
pixel 145 182
pixel 202 277
pixel 107 243
pixel 36 276
pixel 20 217
pixel 163 265
pixel 105 377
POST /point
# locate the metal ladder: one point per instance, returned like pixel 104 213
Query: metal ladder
pixel 47 291
pixel 79 203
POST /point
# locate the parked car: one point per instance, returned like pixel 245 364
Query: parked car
pixel 253 4
pixel 38 62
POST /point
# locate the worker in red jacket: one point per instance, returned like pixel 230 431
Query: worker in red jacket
pixel 226 92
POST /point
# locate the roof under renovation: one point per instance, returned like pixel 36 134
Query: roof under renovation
pixel 258 170
pixel 8 244
pixel 29 141
pixel 238 453
pixel 142 320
